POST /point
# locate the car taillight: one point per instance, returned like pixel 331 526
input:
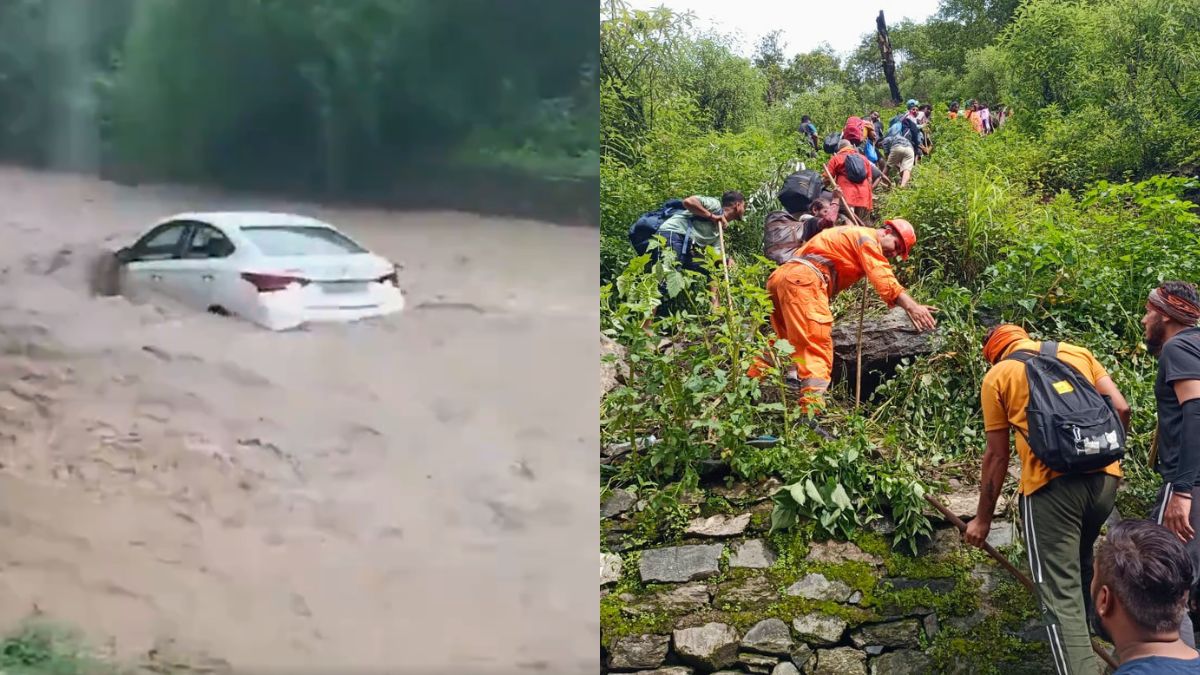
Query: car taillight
pixel 393 278
pixel 265 283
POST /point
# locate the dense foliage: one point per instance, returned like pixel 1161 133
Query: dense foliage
pixel 330 93
pixel 1061 221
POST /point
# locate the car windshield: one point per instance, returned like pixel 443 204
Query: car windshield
pixel 279 241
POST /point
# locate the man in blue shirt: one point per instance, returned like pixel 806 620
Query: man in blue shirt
pixel 808 131
pixel 1143 575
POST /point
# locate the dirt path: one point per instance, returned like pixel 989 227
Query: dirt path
pixel 399 493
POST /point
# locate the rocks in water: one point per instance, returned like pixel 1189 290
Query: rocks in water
pixel 902 662
pixel 840 551
pixel 785 668
pixel 746 592
pixel 685 598
pixel 610 568
pixel 752 553
pixel 612 372
pixel 618 502
pixel 758 663
pixel 769 636
pixel 676 564
pixel 719 525
pixel 890 336
pixel 816 587
pixel 905 633
pixel 710 647
pixel 840 661
pixel 819 628
pixel 638 651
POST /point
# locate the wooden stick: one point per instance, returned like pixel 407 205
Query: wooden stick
pixel 725 264
pixel 862 310
pixel 1020 576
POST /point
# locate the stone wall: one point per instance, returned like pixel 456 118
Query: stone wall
pixel 727 597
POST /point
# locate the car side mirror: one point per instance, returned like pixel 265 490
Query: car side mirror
pixel 124 255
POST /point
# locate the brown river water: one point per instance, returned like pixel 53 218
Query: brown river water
pixel 415 493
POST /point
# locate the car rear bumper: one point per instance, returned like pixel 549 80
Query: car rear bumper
pixel 288 309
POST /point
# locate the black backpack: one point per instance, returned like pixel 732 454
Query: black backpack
pixel 831 142
pixel 647 225
pixel 856 168
pixel 1072 427
pixel 800 190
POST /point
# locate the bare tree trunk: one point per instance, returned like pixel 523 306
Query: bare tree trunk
pixel 885 52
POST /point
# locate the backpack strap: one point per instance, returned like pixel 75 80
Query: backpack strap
pixel 1022 355
pixel 1049 349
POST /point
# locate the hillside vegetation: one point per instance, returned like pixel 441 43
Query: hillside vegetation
pixel 1060 221
pixel 302 93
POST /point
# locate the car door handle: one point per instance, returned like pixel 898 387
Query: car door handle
pixel 155 277
pixel 207 277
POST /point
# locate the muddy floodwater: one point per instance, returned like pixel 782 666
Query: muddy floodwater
pixel 412 493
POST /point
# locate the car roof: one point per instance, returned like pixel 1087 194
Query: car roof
pixel 238 219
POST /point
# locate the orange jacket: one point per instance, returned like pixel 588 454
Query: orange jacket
pixel 854 252
pixel 856 194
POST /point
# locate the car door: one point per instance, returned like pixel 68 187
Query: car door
pixel 152 261
pixel 202 266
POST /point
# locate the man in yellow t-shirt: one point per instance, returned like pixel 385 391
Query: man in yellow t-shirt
pixel 1061 514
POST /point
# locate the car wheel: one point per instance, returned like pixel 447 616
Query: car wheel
pixel 105 275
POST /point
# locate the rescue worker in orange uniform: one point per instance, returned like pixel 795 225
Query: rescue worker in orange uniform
pixel 829 263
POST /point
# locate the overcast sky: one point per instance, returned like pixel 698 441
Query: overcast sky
pixel 805 23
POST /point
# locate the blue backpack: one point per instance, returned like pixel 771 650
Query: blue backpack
pixel 647 225
pixel 868 149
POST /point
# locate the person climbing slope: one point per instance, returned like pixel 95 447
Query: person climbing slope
pixel 1172 335
pixel 802 289
pixel 854 178
pixel 1061 510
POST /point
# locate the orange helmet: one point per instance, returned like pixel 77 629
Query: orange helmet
pixel 905 233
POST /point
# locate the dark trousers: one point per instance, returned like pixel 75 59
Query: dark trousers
pixel 1186 629
pixel 1060 524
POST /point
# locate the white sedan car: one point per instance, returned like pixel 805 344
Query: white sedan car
pixel 277 270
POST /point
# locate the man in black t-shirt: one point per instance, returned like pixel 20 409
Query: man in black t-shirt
pixel 1172 311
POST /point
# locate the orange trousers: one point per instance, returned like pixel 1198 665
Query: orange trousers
pixel 803 318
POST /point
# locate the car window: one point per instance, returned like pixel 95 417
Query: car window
pixel 161 243
pixel 208 242
pixel 300 240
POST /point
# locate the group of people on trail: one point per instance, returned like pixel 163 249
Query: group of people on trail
pixel 1071 423
pixel 1053 401
pixel 824 241
pixel 980 115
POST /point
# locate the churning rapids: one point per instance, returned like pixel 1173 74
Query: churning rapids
pixel 404 493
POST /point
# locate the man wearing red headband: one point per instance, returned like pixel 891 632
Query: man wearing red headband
pixel 829 263
pixel 1172 311
pixel 1061 514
